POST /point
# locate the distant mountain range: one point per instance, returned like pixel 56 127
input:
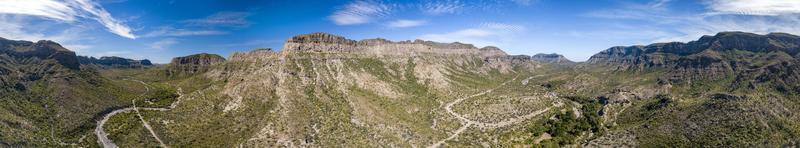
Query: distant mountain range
pixel 114 61
pixel 322 90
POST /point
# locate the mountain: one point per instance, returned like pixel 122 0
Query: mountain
pixel 39 50
pixel 113 61
pixel 733 88
pixel 193 64
pixel 550 58
pixel 746 57
pixel 371 92
pixel 47 99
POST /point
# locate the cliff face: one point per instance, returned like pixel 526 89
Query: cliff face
pixel 321 42
pixel 198 59
pixel 192 64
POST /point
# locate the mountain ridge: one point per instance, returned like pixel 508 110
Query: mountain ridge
pixel 315 42
pixel 43 49
pixel 114 61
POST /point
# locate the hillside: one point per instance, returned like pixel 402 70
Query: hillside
pixel 733 88
pixel 366 91
pixel 47 100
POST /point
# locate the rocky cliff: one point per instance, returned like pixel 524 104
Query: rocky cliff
pixel 193 64
pixel 322 42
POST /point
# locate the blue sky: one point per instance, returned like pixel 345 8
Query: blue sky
pixel 162 29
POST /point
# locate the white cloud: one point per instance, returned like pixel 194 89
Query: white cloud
pixel 105 18
pixel 359 12
pixel 162 44
pixel 754 7
pixel 66 11
pixel 173 32
pixel 403 23
pixel 442 7
pixel 487 34
pixel 232 19
pixel 45 8
pixel 16 27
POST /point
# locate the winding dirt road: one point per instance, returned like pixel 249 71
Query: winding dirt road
pixel 102 136
pixel 468 123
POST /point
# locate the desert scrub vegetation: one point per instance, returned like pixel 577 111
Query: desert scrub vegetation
pixel 159 96
pixel 126 130
pixel 568 127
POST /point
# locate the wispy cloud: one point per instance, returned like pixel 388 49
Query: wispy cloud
pixel 66 11
pixel 404 23
pixel 754 7
pixel 173 32
pixel 442 7
pixel 654 10
pixel 229 19
pixel 665 24
pixel 162 44
pixel 18 27
pixel 486 34
pixel 360 12
pixel 101 15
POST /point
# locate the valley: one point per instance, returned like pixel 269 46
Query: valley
pixel 323 90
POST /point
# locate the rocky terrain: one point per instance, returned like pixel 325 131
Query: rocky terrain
pixel 323 90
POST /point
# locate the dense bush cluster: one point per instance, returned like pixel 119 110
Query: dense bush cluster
pixel 566 127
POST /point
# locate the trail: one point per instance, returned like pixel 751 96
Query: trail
pixel 468 123
pixel 102 136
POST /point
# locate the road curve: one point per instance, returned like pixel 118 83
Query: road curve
pixel 102 136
